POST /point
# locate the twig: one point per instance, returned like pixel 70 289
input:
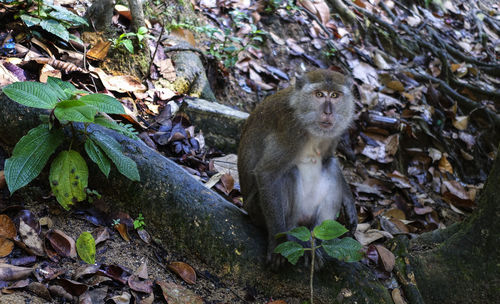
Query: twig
pixel 156 50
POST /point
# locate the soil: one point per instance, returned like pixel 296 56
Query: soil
pixel 116 251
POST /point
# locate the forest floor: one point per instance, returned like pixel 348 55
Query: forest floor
pixel 416 157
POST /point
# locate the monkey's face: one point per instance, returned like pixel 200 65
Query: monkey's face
pixel 326 112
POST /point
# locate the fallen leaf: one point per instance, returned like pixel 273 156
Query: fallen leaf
pixel 397 297
pixel 13 273
pixel 63 244
pixel 122 229
pixel 31 238
pixel 7 232
pixel 183 270
pixel 461 122
pixel 176 294
pixel 135 283
pixel 444 165
pixel 387 257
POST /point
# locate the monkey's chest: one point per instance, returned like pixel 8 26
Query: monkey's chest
pixel 316 192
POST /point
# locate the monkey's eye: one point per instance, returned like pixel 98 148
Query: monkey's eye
pixel 334 95
pixel 319 94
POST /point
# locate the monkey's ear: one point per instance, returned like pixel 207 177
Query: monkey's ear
pixel 300 81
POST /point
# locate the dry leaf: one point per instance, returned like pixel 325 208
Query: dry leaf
pixel 13 273
pixel 167 69
pixel 387 257
pixel 99 51
pixel 177 294
pixel 397 297
pixel 7 227
pixel 63 244
pixel 122 229
pixel 395 213
pixel 444 165
pixel 183 270
pixel 123 11
pixel 135 283
pixel 461 122
pixel 122 83
pixel 31 238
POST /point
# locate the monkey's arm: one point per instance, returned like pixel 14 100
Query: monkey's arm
pixel 275 185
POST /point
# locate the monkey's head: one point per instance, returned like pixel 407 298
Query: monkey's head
pixel 323 102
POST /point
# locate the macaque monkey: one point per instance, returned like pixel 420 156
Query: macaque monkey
pixel 288 171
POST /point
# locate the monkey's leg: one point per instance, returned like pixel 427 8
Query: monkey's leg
pixel 273 199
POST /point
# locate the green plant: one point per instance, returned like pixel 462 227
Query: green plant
pixel 54 19
pixel 126 42
pixel 346 249
pixel 139 222
pixel 68 175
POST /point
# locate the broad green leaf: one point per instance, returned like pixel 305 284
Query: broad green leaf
pixel 85 246
pixel 31 94
pixel 112 148
pixel 30 21
pixel 346 249
pixel 328 230
pixel 104 103
pixel 127 43
pixel 63 89
pixel 97 156
pixel 68 178
pixel 302 233
pixel 30 155
pixel 292 251
pixel 75 110
pixel 110 124
pixel 63 14
pixel 56 28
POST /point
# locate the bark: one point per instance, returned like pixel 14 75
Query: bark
pixel 464 267
pixel 100 14
pixel 185 214
pixel 137 12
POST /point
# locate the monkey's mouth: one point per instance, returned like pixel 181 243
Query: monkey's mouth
pixel 325 124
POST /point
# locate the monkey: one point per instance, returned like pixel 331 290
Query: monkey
pixel 288 172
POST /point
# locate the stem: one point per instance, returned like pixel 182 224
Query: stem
pixel 313 253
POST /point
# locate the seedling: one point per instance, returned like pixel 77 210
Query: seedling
pixel 139 223
pixel 346 249
pixel 68 106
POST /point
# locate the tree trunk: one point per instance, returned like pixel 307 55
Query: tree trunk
pixel 465 267
pixel 100 14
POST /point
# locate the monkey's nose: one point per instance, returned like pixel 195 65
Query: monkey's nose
pixel 328 108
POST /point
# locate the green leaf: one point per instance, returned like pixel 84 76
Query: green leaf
pixel 292 251
pixel 56 28
pixel 97 156
pixel 31 94
pixel 68 178
pixel 110 124
pixel 328 230
pixel 302 233
pixel 127 43
pixel 62 89
pixel 63 14
pixel 75 110
pixel 104 103
pixel 30 21
pixel 30 155
pixel 85 246
pixel 346 249
pixel 112 148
